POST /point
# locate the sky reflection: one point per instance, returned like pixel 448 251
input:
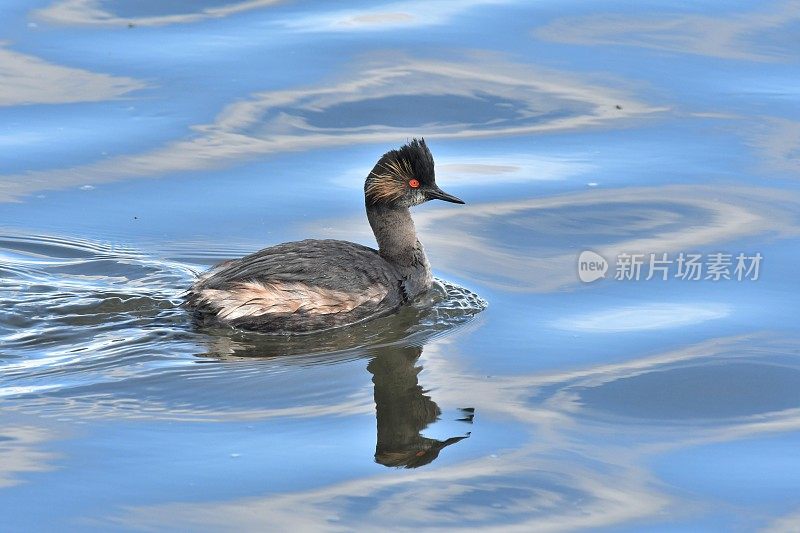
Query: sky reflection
pixel 30 80
pixel 533 485
pixel 644 317
pixel 671 219
pixel 394 15
pixel 565 126
pixel 100 13
pixel 743 35
pixel 275 121
pixel 21 453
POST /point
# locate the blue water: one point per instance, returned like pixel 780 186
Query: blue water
pixel 145 141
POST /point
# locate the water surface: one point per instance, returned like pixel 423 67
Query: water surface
pixel 145 141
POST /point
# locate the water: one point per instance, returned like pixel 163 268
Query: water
pixel 143 142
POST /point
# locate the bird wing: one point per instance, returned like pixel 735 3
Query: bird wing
pixel 314 281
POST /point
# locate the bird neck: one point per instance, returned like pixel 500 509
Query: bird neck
pixel 396 235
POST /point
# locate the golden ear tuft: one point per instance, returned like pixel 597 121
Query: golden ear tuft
pixel 384 188
pixel 390 185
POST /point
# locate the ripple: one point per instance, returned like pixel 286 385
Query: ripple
pixel 476 96
pixel 92 329
pixel 97 13
pixel 532 245
pixel 630 220
pixel 445 307
pixel 711 391
pixel 478 109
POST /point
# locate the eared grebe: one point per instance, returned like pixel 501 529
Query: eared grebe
pixel 312 285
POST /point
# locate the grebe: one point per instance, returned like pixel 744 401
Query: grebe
pixel 313 285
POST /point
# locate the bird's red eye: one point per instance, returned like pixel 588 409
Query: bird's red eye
pixel 414 184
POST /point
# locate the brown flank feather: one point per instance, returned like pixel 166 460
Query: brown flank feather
pixel 255 298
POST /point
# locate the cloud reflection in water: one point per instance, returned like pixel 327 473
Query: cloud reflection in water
pixel 549 233
pixel 556 477
pixel 304 119
pixel 403 14
pixel 560 479
pixel 739 36
pixel 19 453
pixel 100 13
pixel 30 80
pixel 643 317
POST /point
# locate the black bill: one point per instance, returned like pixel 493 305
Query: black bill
pixel 438 194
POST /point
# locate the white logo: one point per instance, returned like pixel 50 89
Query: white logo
pixel 591 266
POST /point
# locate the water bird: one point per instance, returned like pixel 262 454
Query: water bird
pixel 315 285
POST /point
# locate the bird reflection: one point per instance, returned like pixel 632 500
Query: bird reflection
pixel 404 410
pixel 393 345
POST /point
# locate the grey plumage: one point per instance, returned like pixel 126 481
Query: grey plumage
pixel 313 285
pixel 326 264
